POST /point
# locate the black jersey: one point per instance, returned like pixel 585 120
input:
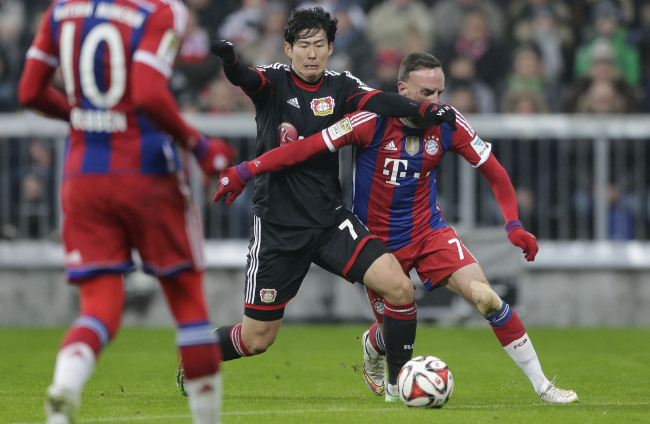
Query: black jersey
pixel 307 194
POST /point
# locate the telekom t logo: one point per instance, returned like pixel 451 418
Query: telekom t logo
pixel 395 164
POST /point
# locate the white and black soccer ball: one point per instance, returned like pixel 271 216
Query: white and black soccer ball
pixel 425 382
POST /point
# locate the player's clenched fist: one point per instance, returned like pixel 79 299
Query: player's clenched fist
pixel 233 181
pixel 523 239
pixel 438 113
pixel 213 154
pixel 225 50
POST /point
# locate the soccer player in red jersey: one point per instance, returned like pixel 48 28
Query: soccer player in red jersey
pixel 395 196
pixel 123 184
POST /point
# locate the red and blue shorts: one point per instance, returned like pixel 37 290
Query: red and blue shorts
pixel 106 217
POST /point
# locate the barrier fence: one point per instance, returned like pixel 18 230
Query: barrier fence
pixel 578 177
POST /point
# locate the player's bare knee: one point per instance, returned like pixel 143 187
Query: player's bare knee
pixel 485 300
pixel 258 338
pixel 259 345
pixel 401 291
pixel 386 277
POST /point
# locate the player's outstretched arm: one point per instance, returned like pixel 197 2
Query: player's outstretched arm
pixel 237 72
pixel 507 199
pixel 233 180
pixel 152 96
pixel 398 106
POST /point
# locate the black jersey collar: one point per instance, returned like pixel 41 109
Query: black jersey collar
pixel 308 86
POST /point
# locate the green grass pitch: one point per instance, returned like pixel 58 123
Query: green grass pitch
pixel 312 375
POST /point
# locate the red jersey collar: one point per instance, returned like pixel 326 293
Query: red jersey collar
pixel 308 86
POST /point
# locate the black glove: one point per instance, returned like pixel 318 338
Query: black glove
pixel 437 113
pixel 225 50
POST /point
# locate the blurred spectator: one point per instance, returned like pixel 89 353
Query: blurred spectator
pixel 268 45
pixel 526 70
pixel 18 24
pixel 352 50
pixel 415 40
pixel 642 40
pixel 449 15
pixel 582 13
pixel 196 43
pixel 607 28
pixel 8 84
pixel 602 97
pixel 623 205
pixel 244 24
pixel 603 69
pixel 212 13
pixel 387 61
pixel 474 42
pixel 12 21
pixel 195 65
pixel 527 73
pixel 221 97
pixel 355 13
pixel 31 178
pixel 393 23
pixel 463 98
pixel 462 73
pixel 547 25
pixel 524 102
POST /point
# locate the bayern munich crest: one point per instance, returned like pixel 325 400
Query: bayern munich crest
pixel 379 306
pixel 431 146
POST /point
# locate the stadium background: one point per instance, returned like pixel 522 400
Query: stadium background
pixel 567 117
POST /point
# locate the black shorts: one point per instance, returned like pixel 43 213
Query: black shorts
pixel 280 256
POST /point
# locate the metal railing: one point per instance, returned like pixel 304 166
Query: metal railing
pixel 577 177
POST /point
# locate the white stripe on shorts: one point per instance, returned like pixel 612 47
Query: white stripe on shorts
pixel 251 273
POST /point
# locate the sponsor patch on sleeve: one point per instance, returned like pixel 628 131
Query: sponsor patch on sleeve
pixel 339 129
pixel 481 148
pixel 168 47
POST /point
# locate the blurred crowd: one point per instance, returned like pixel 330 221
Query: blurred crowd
pixel 517 56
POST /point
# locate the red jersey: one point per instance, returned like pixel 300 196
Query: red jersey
pixel 96 43
pixel 395 170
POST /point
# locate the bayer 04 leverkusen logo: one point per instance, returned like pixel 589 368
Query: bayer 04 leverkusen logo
pixel 268 295
pixel 322 107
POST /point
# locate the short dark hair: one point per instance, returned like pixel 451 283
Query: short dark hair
pixel 307 22
pixel 416 61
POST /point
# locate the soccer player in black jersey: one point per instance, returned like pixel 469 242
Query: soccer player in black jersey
pixel 299 216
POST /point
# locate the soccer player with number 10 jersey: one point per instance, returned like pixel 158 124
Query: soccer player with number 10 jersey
pixel 123 184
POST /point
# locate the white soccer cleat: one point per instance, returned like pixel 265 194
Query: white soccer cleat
pixel 392 393
pixel 553 394
pixel 61 406
pixel 374 367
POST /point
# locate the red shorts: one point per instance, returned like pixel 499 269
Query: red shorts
pixel 435 256
pixel 105 217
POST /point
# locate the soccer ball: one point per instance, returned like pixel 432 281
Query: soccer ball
pixel 425 382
